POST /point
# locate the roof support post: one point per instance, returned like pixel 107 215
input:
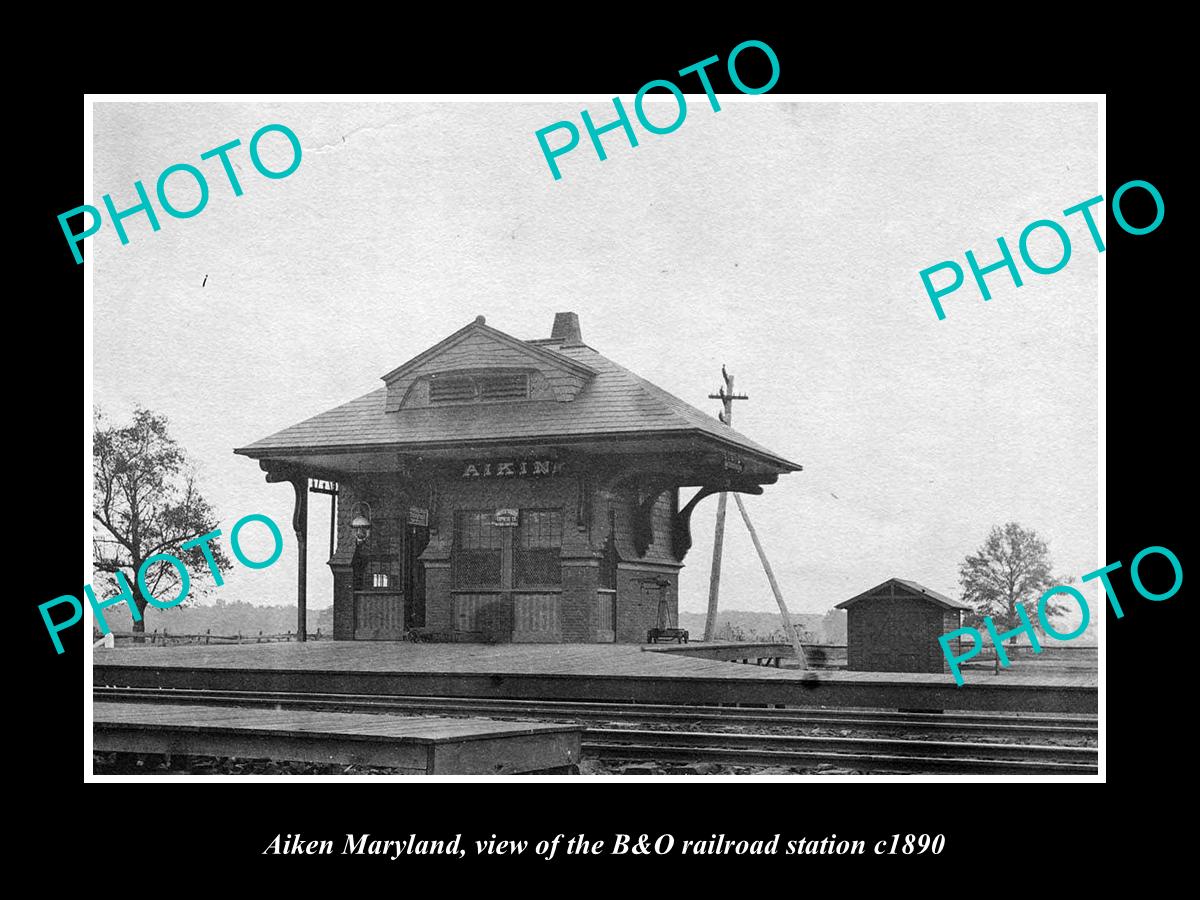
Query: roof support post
pixel 300 527
pixel 277 472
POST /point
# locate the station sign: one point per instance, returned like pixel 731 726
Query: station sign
pixel 511 468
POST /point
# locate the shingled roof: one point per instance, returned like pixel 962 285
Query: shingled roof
pixel 914 588
pixel 612 402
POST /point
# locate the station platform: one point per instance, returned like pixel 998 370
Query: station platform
pixel 820 655
pixel 417 745
pixel 599 672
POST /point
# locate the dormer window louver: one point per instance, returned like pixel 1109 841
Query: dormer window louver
pixel 504 387
pixel 478 388
pixel 451 390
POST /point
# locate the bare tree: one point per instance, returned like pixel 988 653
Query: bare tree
pixel 145 502
pixel 1013 566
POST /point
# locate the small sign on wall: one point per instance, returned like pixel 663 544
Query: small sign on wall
pixel 418 515
pixel 506 518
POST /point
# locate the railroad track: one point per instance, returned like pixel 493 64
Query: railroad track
pixel 972 724
pixel 733 748
pixel 874 755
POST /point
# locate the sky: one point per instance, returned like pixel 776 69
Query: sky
pixel 781 239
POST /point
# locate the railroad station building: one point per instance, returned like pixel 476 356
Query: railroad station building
pixel 497 489
pixel 895 626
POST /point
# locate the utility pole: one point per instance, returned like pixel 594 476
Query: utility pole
pixel 726 395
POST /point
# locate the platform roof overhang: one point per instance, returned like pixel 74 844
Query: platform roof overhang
pixel 688 452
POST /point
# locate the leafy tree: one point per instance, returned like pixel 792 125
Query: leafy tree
pixel 1013 566
pixel 833 627
pixel 145 502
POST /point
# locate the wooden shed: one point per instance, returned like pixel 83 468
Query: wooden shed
pixel 895 626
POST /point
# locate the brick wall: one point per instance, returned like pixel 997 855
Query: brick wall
pixel 637 610
pixel 343 604
pixel 620 501
pixel 439 615
pixel 638 600
pixel 951 621
pixel 895 635
pixel 578 609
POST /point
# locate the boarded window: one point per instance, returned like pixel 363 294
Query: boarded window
pixel 504 387
pixel 538 546
pixel 451 389
pixel 478 554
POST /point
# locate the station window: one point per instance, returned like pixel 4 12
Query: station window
pixel 538 547
pixel 478 550
pixel 381 571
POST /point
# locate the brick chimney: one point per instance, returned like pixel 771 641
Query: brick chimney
pixel 566 329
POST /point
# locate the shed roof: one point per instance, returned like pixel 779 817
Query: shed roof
pixel 910 588
pixel 613 402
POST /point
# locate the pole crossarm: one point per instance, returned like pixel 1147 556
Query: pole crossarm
pixel 726 395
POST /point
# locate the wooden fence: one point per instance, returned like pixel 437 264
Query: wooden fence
pixel 164 638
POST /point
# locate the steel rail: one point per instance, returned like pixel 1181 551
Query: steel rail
pixel 875 747
pixel 1009 726
pixel 870 763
